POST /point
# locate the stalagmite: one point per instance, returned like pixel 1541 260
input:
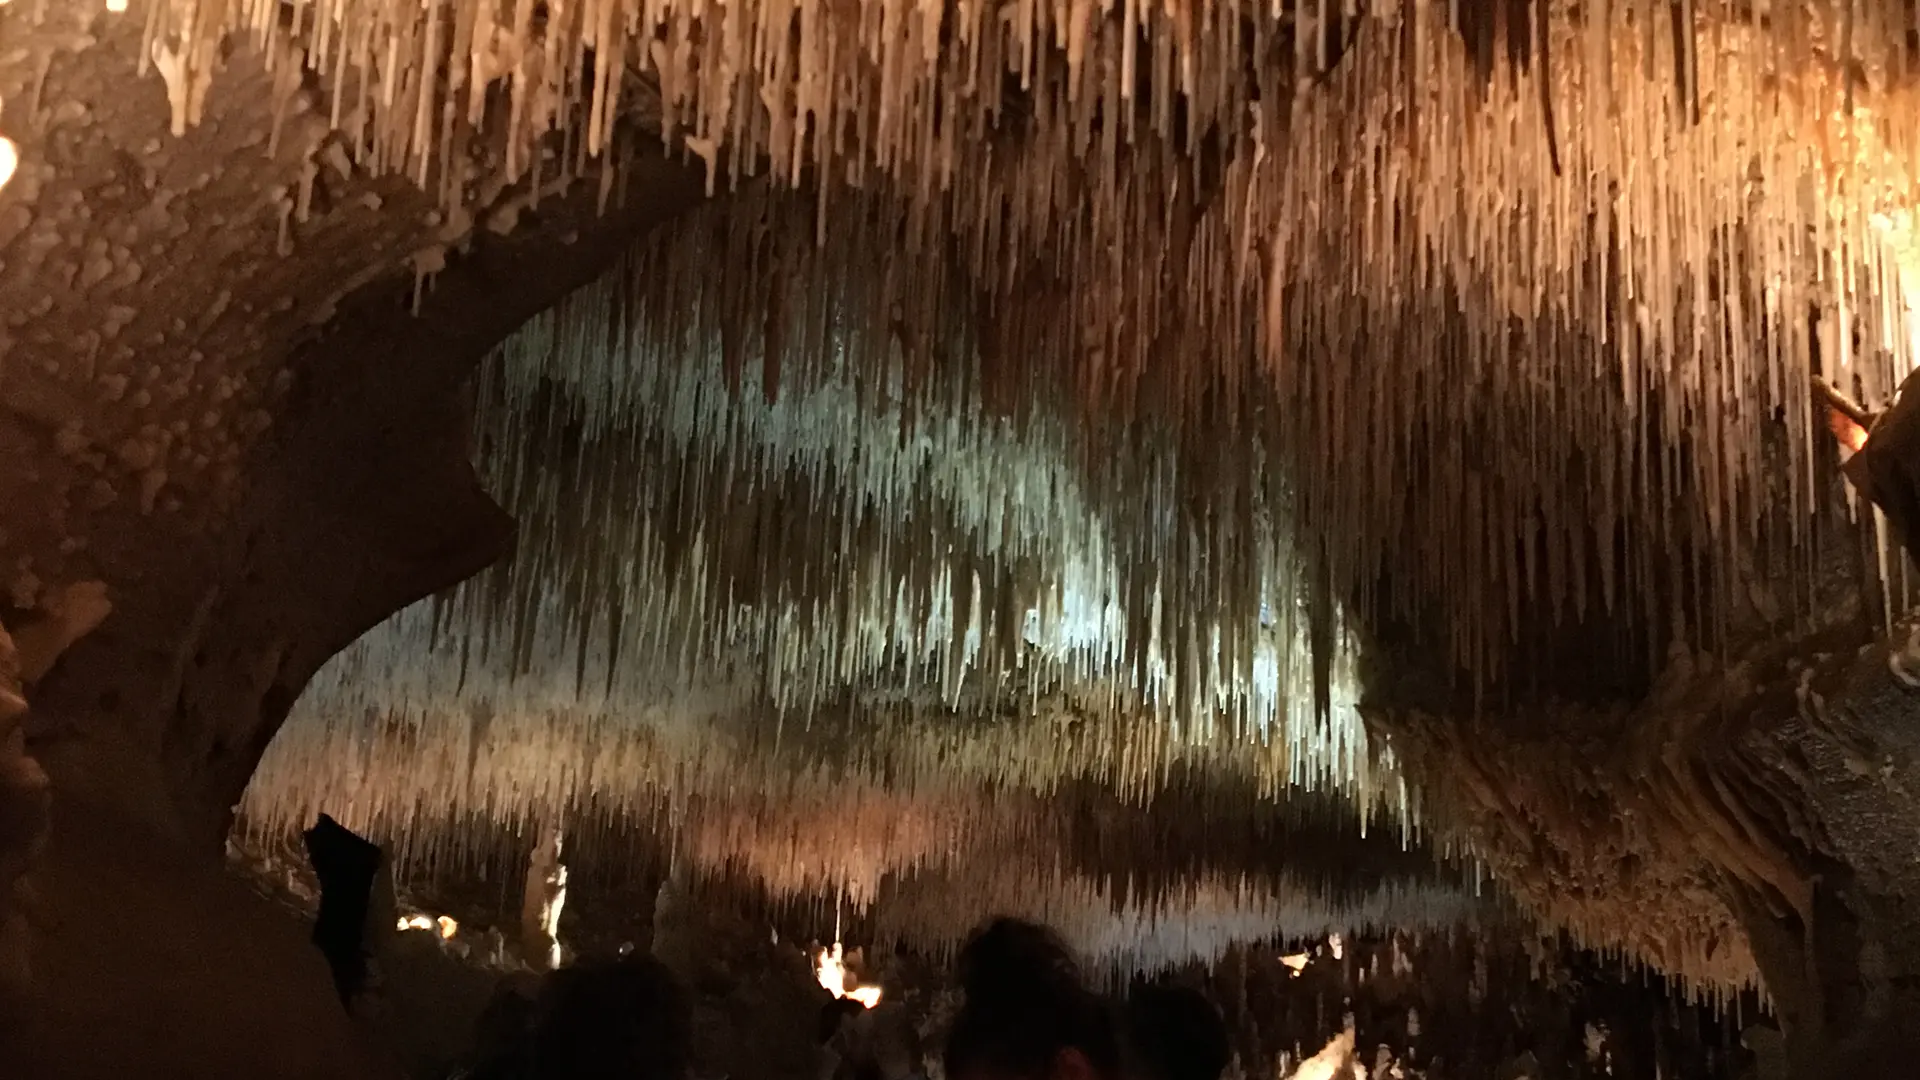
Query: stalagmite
pixel 543 900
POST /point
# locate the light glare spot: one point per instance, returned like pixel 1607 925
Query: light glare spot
pixel 831 969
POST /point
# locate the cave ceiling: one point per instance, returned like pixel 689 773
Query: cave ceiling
pixel 917 413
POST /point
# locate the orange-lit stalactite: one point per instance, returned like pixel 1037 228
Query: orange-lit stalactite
pixel 1850 433
pixel 1849 421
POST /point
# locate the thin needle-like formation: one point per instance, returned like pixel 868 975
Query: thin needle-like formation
pixel 1567 303
pixel 1104 355
pixel 871 569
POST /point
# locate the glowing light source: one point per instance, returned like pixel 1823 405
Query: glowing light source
pixel 550 914
pixel 445 925
pixel 1334 1060
pixel 1850 434
pixel 831 969
pixel 9 157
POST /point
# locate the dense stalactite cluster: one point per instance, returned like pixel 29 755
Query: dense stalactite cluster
pixel 917 870
pixel 870 573
pixel 1580 832
pixel 1198 921
pixel 1058 396
pixel 1109 355
pixel 1545 269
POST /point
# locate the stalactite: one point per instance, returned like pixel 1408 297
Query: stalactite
pixel 845 586
pixel 1063 380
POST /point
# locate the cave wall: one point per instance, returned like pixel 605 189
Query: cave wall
pixel 24 799
pixel 230 375
pixel 232 363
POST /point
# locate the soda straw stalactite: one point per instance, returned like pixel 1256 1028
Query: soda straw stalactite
pixel 1557 283
pixel 1074 375
pixel 845 583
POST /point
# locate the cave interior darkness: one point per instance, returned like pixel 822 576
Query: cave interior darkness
pixel 1394 513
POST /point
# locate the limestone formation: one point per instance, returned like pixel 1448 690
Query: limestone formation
pixel 26 795
pixel 1406 404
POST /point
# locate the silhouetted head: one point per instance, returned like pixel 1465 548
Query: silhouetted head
pixel 881 1043
pixel 1028 1015
pixel 1176 1033
pixel 833 1015
pixel 346 864
pixel 625 1018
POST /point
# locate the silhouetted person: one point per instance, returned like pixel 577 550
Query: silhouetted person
pixel 1176 1033
pixel 1028 1015
pixel 880 1043
pixel 1886 465
pixel 624 1019
pixel 833 1015
pixel 346 864
pixel 504 1043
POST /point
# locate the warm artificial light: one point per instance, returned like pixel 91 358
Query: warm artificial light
pixel 1333 1060
pixel 1848 420
pixel 1847 430
pixel 9 156
pixel 831 969
pixel 445 926
pixel 550 914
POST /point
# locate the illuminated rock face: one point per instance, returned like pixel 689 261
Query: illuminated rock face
pixel 1597 259
pixel 1510 363
pixel 215 398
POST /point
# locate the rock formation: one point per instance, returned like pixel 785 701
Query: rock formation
pixel 1404 404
